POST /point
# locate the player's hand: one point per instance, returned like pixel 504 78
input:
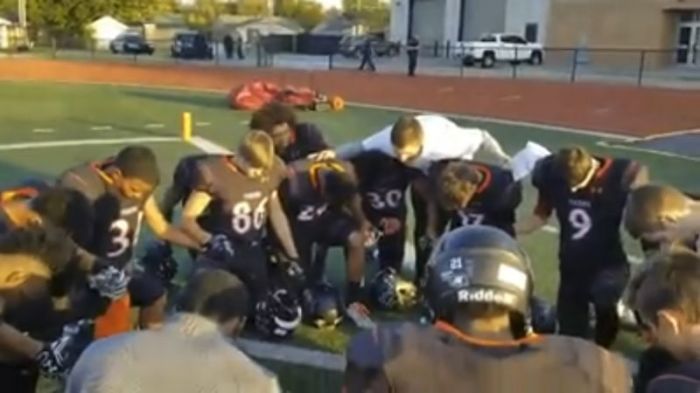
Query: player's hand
pixel 322 155
pixel 390 225
pixel 57 358
pixel 369 233
pixel 219 247
pixel 159 262
pixel 108 281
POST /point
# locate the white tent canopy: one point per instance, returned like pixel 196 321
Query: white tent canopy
pixel 106 29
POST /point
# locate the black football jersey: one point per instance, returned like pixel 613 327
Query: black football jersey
pixel 239 204
pixel 306 139
pixel 117 219
pixel 590 217
pixel 382 181
pixel 185 174
pixel 408 358
pixel 301 192
pixel 495 201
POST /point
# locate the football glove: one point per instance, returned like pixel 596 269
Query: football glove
pixel 108 281
pixel 57 358
pixel 219 247
pixel 159 262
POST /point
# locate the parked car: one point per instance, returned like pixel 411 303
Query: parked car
pixel 191 45
pixel 351 46
pixel 131 44
pixel 494 48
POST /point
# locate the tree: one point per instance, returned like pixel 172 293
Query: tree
pixel 254 7
pixel 307 13
pixel 375 14
pixel 66 17
pixel 204 14
pixel 140 11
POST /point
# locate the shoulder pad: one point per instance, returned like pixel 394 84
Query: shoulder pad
pixel 371 349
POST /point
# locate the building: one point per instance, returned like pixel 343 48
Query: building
pixel 464 20
pixel 668 29
pixel 106 29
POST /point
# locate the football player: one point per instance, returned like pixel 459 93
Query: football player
pixel 477 275
pixel 38 266
pixel 322 201
pixel 588 195
pixel 662 216
pixel 383 182
pixel 121 192
pixel 240 190
pixel 293 140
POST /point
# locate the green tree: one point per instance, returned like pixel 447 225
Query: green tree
pixel 204 14
pixel 254 7
pixel 307 13
pixel 375 14
pixel 66 17
pixel 140 11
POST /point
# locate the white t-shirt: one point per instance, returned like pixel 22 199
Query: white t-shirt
pixel 442 140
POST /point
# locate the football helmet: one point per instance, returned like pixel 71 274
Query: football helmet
pixel 543 316
pixel 391 292
pixel 322 306
pixel 158 261
pixel 278 314
pixel 477 264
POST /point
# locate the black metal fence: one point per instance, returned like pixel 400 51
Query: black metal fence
pixel 311 52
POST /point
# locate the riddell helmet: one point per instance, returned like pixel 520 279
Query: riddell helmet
pixel 278 315
pixel 477 264
pixel 391 292
pixel 322 306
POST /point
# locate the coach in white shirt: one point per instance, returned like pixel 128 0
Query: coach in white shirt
pixel 418 141
pixel 190 353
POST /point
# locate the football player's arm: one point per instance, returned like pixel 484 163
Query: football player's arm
pixel 171 197
pixel 538 219
pixel 15 346
pixel 194 207
pixel 379 141
pixel 163 229
pixel 280 224
pixel 421 185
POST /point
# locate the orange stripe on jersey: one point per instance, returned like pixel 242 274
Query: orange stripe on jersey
pixel 115 320
pixel 97 167
pixel 447 328
pixel 230 164
pixel 487 177
pixel 604 168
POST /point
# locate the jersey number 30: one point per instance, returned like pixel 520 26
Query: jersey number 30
pixel 243 217
pixel 390 200
pixel 581 223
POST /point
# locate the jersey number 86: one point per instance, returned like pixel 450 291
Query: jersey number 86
pixel 244 217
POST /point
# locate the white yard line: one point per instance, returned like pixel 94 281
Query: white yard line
pixel 101 128
pixel 43 130
pixel 82 142
pixel 154 125
pixel 670 134
pixel 202 124
pixel 208 146
pixel 648 151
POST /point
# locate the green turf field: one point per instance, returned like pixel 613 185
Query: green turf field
pixel 32 113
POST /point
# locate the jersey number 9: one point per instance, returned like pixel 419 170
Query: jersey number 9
pixel 581 222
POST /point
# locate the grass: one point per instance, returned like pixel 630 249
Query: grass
pixel 72 110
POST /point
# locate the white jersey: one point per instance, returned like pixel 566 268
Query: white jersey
pixel 187 355
pixel 442 140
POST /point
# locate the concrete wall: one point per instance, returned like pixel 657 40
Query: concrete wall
pixel 623 24
pixel 521 12
pixel 483 17
pixel 429 20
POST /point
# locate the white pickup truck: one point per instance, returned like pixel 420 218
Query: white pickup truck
pixel 494 48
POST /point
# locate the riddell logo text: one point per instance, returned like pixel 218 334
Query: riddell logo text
pixel 485 296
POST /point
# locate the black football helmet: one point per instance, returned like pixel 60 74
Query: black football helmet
pixel 322 305
pixel 477 264
pixel 543 316
pixel 278 315
pixel 391 292
pixel 158 261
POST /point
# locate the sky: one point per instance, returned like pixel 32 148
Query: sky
pixel 331 3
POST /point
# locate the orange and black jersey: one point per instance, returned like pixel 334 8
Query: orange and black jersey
pixel 117 219
pixel 409 358
pixel 239 204
pixel 495 201
pixel 302 193
pixel 307 139
pixel 382 181
pixel 589 217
